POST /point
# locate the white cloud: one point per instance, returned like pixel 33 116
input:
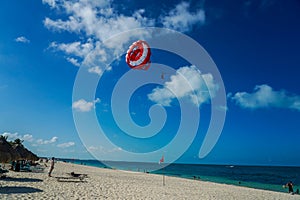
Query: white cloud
pixel 222 108
pixel 102 150
pixel 66 145
pixel 58 25
pixel 22 39
pixel 52 140
pixel 96 21
pixel 51 3
pixel 84 106
pixel 264 96
pixel 187 83
pixel 29 138
pixel 74 61
pixel 117 149
pixel 93 148
pixel 181 19
pixel 96 70
pixel 78 49
pixel 13 136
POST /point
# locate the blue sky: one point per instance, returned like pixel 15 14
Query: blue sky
pixel 46 45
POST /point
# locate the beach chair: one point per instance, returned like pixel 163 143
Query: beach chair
pixel 37 169
pixel 25 168
pixel 72 177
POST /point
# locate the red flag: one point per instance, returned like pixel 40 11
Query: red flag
pixel 162 160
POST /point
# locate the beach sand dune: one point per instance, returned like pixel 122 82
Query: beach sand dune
pixel 115 184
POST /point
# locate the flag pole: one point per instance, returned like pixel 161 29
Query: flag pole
pixel 161 161
pixel 164 179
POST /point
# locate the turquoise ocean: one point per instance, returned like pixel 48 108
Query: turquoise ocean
pixel 262 177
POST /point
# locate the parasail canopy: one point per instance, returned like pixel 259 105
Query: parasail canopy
pixel 138 55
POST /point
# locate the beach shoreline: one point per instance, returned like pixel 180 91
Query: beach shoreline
pixel 103 183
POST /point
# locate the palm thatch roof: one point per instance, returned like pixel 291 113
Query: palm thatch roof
pixel 7 153
pixel 25 153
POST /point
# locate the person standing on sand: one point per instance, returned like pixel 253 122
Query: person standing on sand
pixel 51 166
pixel 290 186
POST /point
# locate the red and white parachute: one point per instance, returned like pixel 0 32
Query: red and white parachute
pixel 138 55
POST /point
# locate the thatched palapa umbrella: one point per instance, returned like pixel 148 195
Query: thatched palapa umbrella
pixel 25 153
pixel 7 153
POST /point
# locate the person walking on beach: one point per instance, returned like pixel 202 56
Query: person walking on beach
pixel 51 166
pixel 290 186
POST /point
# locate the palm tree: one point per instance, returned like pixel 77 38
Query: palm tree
pixel 4 137
pixel 18 141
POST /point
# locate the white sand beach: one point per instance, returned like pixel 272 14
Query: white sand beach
pixel 115 184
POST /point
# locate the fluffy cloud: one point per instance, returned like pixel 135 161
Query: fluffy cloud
pixel 96 70
pixel 96 21
pixel 13 136
pixel 66 145
pixel 181 19
pixel 84 106
pixel 22 39
pixel 76 48
pixel 29 138
pixel 187 83
pixel 74 61
pixel 93 148
pixel 52 140
pixel 102 150
pixel 51 3
pixel 264 96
